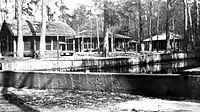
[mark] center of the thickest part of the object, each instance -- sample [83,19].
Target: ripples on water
[165,67]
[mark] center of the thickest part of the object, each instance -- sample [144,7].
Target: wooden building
[124,43]
[159,42]
[87,41]
[59,37]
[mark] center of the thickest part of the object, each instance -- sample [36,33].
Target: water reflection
[166,67]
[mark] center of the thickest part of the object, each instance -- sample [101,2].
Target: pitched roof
[163,37]
[88,33]
[122,36]
[31,28]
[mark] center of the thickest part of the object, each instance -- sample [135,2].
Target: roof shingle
[33,28]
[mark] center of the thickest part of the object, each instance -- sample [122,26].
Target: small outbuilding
[59,37]
[159,41]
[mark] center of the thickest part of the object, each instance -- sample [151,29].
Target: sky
[72,4]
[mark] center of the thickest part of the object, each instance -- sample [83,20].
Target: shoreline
[92,61]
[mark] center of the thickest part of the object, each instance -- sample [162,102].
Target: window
[37,44]
[48,43]
[85,46]
[69,44]
[27,43]
[48,47]
[51,43]
[37,40]
[62,39]
[54,43]
[62,47]
[88,45]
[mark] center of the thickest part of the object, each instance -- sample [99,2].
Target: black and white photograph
[99,56]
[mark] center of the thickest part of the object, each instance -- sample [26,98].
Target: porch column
[136,47]
[15,47]
[112,44]
[74,44]
[34,46]
[66,43]
[178,44]
[82,44]
[123,44]
[58,54]
[78,44]
[91,44]
[57,38]
[52,43]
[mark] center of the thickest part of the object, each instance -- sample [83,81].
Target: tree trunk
[173,30]
[20,46]
[157,27]
[98,45]
[140,26]
[106,45]
[185,25]
[191,28]
[15,9]
[112,43]
[6,8]
[91,35]
[43,30]
[168,49]
[150,25]
[106,30]
[1,12]
[197,19]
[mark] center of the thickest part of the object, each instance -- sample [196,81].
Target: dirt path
[86,101]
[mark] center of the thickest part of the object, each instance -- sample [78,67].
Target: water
[164,67]
[155,68]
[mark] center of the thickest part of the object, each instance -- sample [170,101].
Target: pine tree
[20,46]
[43,30]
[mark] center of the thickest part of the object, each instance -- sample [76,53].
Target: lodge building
[60,37]
[88,41]
[56,33]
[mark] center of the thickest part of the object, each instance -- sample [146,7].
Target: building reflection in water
[166,67]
